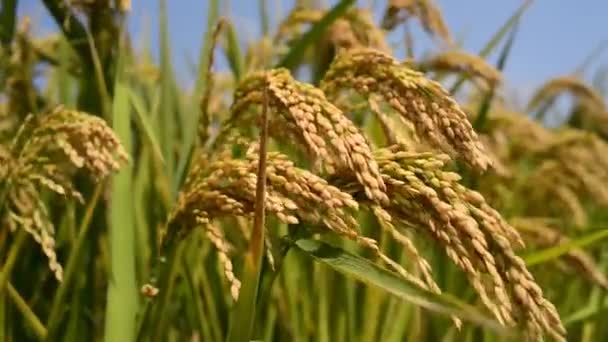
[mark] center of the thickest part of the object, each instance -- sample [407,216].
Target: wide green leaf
[122,290]
[372,274]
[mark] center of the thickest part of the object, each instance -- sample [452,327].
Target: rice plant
[322,187]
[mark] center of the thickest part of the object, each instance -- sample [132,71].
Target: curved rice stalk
[460,61]
[586,95]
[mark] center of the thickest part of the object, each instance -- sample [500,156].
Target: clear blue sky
[554,37]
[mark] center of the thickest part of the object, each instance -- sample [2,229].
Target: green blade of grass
[120,324]
[486,103]
[233,52]
[57,308]
[191,123]
[579,71]
[11,258]
[201,319]
[142,121]
[555,252]
[8,13]
[587,313]
[264,19]
[29,315]
[496,38]
[166,114]
[75,32]
[296,53]
[372,274]
[505,29]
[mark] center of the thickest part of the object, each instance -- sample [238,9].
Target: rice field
[321,187]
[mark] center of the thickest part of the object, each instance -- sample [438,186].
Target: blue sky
[554,37]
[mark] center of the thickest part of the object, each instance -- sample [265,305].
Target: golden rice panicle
[86,140]
[436,116]
[302,116]
[586,95]
[475,237]
[384,218]
[513,134]
[218,240]
[568,165]
[364,30]
[430,16]
[572,169]
[45,152]
[227,188]
[298,16]
[489,238]
[551,192]
[355,28]
[24,210]
[460,61]
[414,200]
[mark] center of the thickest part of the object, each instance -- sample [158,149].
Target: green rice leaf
[372,274]
[496,38]
[144,124]
[486,102]
[122,291]
[233,52]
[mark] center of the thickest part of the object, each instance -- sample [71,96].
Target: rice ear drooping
[302,114]
[424,102]
[45,153]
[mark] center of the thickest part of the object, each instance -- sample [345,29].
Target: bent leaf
[372,274]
